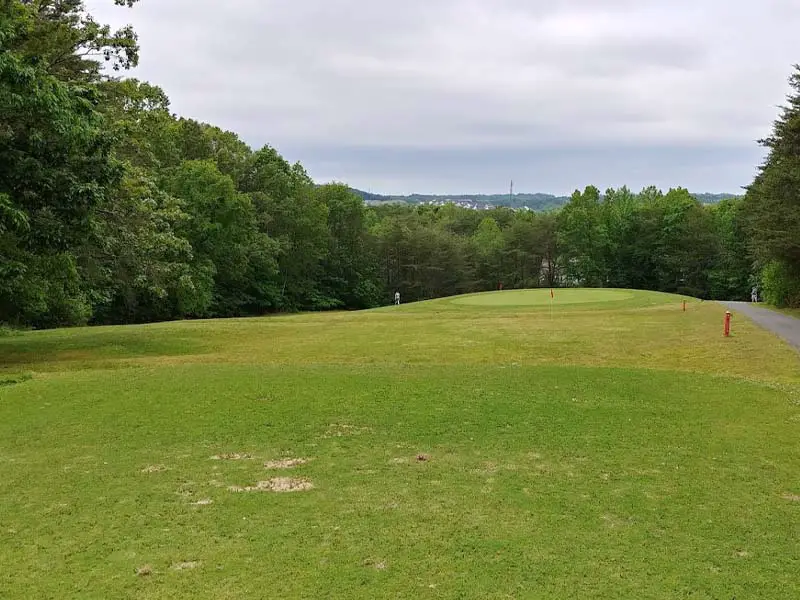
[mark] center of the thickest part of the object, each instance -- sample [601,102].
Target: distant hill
[536,202]
[714,198]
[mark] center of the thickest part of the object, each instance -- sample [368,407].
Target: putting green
[541,297]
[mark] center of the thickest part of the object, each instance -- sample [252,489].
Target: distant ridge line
[536,201]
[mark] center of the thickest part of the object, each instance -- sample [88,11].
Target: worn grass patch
[458,451]
[14,379]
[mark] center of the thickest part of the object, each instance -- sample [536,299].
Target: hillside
[491,445]
[536,201]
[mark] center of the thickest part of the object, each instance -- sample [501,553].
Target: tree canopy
[772,205]
[115,210]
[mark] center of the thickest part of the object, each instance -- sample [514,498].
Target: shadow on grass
[95,346]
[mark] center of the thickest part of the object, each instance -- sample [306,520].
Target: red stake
[727,324]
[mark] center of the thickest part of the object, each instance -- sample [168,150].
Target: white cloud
[470,74]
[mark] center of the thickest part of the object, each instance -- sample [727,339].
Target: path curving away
[784,326]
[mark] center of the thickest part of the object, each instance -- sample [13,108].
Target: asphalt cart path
[784,326]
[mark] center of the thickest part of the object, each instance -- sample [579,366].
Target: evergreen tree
[772,205]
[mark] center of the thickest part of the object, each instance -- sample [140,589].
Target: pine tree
[772,205]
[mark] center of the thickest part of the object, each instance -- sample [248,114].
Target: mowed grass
[793,312]
[620,448]
[542,297]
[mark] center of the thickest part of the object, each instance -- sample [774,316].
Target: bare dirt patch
[232,456]
[154,469]
[183,566]
[144,571]
[378,565]
[615,521]
[340,430]
[277,484]
[791,497]
[286,463]
[420,458]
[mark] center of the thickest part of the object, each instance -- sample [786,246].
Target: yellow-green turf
[544,297]
[618,448]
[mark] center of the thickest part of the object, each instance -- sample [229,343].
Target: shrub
[780,285]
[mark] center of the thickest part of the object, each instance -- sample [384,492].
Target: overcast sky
[452,96]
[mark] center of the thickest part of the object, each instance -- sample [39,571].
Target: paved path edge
[784,326]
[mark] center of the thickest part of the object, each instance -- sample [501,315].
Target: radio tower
[511,194]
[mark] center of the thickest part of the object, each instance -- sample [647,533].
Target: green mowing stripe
[551,482]
[565,299]
[659,460]
[542,297]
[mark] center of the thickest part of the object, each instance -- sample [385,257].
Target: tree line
[115,210]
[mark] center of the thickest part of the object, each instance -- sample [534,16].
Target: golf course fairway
[611,445]
[543,298]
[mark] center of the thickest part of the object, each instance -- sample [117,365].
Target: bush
[780,285]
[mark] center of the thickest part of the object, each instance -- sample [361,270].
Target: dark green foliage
[349,270]
[773,200]
[780,284]
[114,210]
[295,216]
[584,236]
[730,277]
[56,168]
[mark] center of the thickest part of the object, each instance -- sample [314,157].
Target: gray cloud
[419,95]
[558,170]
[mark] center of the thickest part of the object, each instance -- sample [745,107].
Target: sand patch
[183,566]
[791,497]
[232,456]
[154,469]
[277,484]
[286,463]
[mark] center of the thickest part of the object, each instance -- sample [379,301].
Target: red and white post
[727,323]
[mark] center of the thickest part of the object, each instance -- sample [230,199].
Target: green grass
[622,451]
[792,312]
[543,297]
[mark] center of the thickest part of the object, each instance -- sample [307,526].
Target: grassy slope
[618,450]
[794,312]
